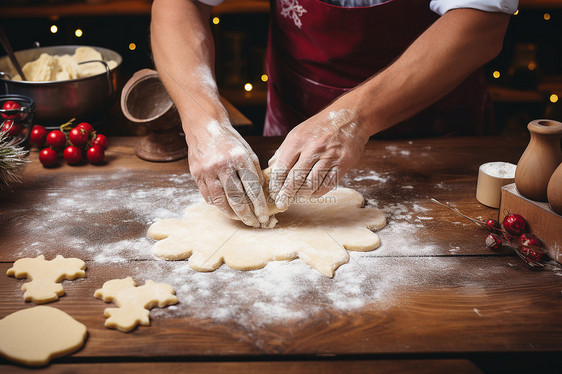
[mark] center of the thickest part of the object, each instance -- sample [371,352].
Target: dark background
[241,41]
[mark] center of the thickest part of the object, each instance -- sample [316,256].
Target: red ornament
[48,157]
[514,224]
[56,139]
[38,135]
[72,155]
[529,240]
[493,226]
[493,241]
[10,105]
[95,154]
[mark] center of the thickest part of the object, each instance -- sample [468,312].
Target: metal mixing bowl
[86,99]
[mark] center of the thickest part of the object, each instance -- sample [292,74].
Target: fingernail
[281,202]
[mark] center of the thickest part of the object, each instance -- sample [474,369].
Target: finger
[237,199]
[280,170]
[273,158]
[256,162]
[253,187]
[295,178]
[329,181]
[204,190]
[217,197]
[313,180]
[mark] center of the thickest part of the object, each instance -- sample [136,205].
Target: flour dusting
[109,227]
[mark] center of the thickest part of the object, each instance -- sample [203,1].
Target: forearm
[443,56]
[183,51]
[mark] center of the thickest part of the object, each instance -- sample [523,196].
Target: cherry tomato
[95,154]
[38,136]
[78,136]
[56,139]
[9,105]
[86,126]
[13,129]
[100,140]
[72,155]
[48,157]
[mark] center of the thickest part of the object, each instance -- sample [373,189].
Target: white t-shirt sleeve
[211,2]
[503,6]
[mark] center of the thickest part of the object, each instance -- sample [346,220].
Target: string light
[248,87]
[264,78]
[516,12]
[532,66]
[132,46]
[216,20]
[78,33]
[553,98]
[496,74]
[546,16]
[54,29]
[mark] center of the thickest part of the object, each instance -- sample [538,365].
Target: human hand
[228,173]
[315,155]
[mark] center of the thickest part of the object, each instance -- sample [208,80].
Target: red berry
[534,253]
[56,139]
[493,241]
[95,154]
[72,155]
[78,136]
[514,224]
[48,157]
[12,128]
[38,135]
[100,140]
[493,225]
[10,105]
[86,126]
[529,240]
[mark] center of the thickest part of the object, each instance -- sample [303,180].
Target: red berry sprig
[511,233]
[74,143]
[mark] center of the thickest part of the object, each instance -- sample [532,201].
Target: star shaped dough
[318,231]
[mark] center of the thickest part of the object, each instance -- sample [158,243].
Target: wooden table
[436,299]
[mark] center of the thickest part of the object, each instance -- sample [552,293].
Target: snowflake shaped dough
[318,232]
[133,303]
[46,275]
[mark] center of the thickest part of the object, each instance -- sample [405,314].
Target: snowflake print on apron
[293,10]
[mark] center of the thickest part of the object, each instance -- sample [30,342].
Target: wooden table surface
[432,298]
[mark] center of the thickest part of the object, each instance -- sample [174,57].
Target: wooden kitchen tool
[145,101]
[540,159]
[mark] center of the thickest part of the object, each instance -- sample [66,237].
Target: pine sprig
[12,161]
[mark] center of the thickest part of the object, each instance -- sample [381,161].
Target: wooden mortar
[145,101]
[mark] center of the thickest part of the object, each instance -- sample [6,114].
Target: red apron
[319,51]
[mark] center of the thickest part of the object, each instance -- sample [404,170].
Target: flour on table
[318,232]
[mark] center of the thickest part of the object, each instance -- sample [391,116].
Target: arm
[224,166]
[318,152]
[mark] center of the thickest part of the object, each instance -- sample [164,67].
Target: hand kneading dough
[34,336]
[318,232]
[49,68]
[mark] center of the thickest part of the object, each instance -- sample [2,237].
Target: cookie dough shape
[134,303]
[318,231]
[35,336]
[46,275]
